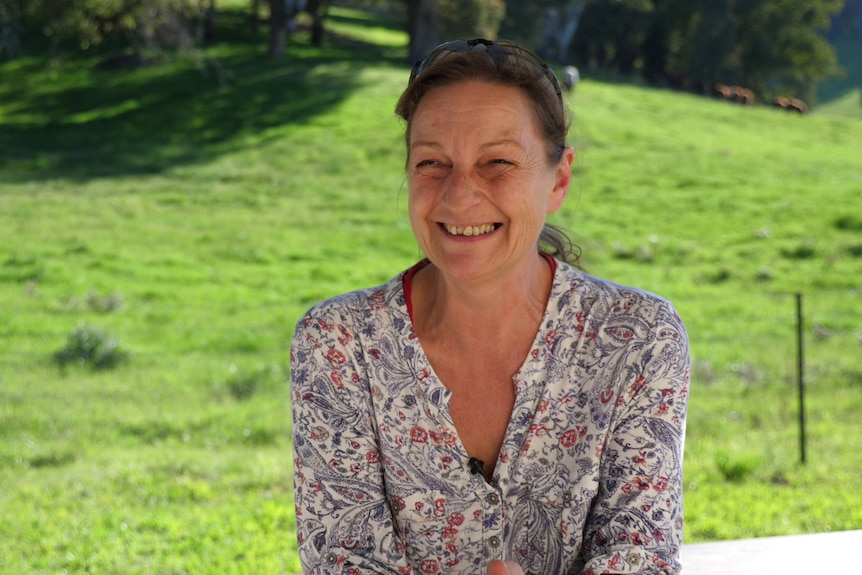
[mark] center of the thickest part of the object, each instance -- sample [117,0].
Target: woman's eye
[499,164]
[430,163]
[497,167]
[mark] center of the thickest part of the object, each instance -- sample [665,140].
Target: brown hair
[540,86]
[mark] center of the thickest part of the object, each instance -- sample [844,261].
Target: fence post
[800,375]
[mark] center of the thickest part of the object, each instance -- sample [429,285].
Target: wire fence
[755,336]
[796,357]
[786,368]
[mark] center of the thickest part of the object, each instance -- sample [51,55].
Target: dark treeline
[770,47]
[143,27]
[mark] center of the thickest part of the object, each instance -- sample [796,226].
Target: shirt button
[494,541]
[493,499]
[567,497]
[332,558]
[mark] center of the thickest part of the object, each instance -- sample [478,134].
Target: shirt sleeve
[636,524]
[343,519]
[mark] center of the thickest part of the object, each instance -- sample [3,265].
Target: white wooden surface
[839,552]
[836,553]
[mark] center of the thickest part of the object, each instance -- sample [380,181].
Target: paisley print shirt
[589,478]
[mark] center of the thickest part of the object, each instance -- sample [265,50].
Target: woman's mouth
[469,231]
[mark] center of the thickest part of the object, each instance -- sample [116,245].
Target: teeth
[469,230]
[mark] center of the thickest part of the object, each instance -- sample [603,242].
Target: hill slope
[195,209]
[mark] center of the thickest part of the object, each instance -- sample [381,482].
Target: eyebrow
[495,143]
[425,144]
[502,142]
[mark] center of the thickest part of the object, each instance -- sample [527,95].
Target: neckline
[407,279]
[440,395]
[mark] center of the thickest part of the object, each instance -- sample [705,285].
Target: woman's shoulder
[574,287]
[359,305]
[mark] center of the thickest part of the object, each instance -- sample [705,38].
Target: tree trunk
[254,18]
[277,28]
[317,31]
[558,30]
[656,52]
[423,25]
[208,22]
[571,20]
[318,10]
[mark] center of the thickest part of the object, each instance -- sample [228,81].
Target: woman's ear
[562,179]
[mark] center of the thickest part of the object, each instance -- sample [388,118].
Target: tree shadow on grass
[83,123]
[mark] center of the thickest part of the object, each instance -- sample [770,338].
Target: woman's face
[480,180]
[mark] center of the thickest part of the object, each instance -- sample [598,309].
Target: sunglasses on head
[499,50]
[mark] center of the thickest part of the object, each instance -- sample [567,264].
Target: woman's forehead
[500,112]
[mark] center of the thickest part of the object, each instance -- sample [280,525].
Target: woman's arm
[343,519]
[636,522]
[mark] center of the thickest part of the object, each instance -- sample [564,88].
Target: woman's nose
[462,187]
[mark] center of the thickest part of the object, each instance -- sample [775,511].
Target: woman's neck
[481,310]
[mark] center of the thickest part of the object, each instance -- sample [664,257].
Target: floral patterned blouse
[589,478]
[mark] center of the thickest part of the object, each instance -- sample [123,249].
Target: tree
[548,26]
[431,21]
[254,17]
[471,18]
[848,21]
[208,14]
[423,27]
[524,21]
[318,9]
[708,49]
[669,22]
[611,34]
[10,44]
[769,46]
[560,28]
[278,18]
[145,26]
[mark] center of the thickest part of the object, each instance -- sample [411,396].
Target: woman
[491,404]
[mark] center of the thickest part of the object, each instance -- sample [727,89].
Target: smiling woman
[491,409]
[477,166]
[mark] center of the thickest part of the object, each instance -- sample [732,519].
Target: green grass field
[193,210]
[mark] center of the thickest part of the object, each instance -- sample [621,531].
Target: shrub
[802,251]
[104,303]
[736,468]
[91,347]
[721,275]
[244,383]
[765,275]
[243,386]
[849,222]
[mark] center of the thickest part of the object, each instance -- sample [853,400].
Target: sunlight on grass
[849,105]
[193,211]
[367,28]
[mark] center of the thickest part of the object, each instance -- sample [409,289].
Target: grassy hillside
[193,210]
[842,95]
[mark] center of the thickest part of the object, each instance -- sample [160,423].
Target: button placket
[492,503]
